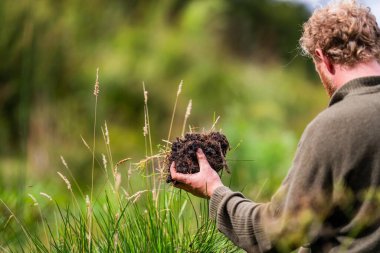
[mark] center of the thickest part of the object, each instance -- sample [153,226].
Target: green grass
[129,226]
[131,210]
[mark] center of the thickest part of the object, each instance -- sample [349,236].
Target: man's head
[343,33]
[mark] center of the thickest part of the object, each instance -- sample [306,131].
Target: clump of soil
[214,145]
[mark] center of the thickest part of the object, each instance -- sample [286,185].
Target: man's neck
[345,74]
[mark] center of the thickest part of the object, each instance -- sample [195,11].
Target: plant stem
[96,92]
[173,113]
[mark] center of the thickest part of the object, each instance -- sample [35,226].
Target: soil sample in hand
[214,145]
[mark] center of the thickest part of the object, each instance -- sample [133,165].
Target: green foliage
[137,224]
[263,128]
[238,59]
[140,214]
[265,30]
[50,50]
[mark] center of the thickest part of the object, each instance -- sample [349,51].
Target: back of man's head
[345,31]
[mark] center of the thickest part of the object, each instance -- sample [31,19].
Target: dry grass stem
[106,134]
[215,122]
[89,220]
[96,86]
[26,233]
[147,123]
[122,161]
[188,109]
[174,109]
[46,196]
[167,142]
[85,143]
[96,93]
[115,240]
[125,193]
[104,162]
[106,138]
[64,162]
[179,88]
[142,163]
[117,182]
[137,195]
[148,133]
[129,173]
[35,203]
[88,202]
[187,115]
[65,180]
[8,220]
[145,129]
[145,95]
[71,174]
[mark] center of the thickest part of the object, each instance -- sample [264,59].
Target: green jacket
[330,199]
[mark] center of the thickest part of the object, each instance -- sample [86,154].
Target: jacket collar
[353,86]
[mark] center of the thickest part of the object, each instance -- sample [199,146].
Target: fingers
[200,154]
[176,176]
[202,159]
[189,189]
[181,186]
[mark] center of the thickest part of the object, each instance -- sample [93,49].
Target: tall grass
[133,211]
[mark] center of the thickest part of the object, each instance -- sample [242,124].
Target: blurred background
[239,59]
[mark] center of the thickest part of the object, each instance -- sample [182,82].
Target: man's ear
[325,60]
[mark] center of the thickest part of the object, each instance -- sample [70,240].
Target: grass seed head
[106,133]
[88,203]
[117,181]
[96,86]
[104,161]
[188,109]
[145,130]
[145,95]
[122,161]
[35,203]
[46,196]
[116,240]
[180,88]
[64,162]
[85,143]
[65,180]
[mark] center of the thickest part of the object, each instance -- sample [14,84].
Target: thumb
[202,159]
[175,175]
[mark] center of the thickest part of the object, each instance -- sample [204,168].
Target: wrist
[213,187]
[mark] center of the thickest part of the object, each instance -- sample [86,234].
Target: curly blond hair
[345,31]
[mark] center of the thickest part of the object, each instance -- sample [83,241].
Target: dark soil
[214,145]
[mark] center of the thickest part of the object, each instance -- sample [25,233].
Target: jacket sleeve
[292,217]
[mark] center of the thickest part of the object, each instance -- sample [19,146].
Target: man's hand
[201,184]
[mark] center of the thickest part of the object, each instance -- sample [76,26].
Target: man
[330,199]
